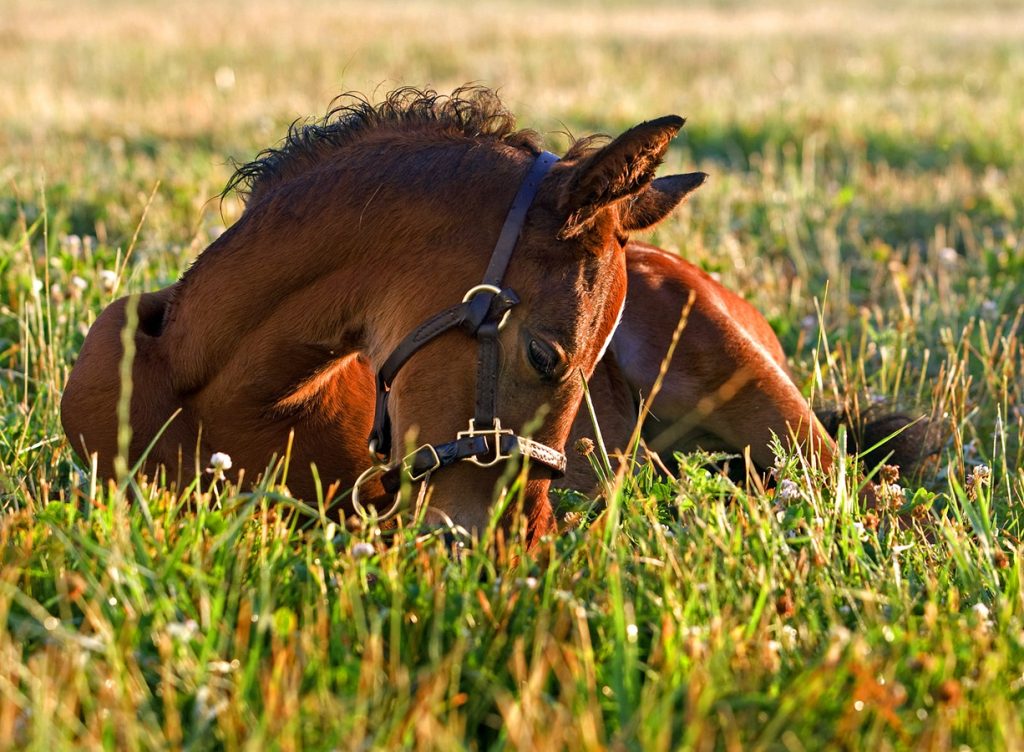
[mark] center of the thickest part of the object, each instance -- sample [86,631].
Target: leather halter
[481,314]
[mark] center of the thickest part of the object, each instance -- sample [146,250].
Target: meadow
[866,194]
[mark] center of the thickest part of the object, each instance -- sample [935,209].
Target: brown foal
[356,230]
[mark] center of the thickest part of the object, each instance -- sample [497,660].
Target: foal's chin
[472,500]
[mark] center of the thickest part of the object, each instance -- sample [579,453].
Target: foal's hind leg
[726,387]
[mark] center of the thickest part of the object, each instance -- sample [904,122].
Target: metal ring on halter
[487,288]
[449,526]
[362,511]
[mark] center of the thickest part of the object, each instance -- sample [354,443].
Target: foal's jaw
[471,496]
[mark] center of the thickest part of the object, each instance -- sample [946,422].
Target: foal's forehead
[581,266]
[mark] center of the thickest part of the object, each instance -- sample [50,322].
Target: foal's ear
[657,200]
[622,168]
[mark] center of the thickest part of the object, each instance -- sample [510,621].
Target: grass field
[866,193]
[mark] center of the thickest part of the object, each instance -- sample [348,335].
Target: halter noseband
[482,313]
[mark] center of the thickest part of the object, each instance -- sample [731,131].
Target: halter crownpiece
[483,312]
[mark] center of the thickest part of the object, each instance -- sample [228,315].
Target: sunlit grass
[865,193]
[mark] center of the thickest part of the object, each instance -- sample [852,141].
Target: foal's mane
[473,112]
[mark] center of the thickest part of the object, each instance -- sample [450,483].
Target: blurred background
[101,98]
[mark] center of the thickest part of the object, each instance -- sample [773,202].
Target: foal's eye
[543,358]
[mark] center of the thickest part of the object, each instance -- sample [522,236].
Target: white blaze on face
[618,320]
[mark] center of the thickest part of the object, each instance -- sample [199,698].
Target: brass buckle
[407,464]
[501,324]
[496,432]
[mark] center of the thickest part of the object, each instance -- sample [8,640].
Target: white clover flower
[980,477]
[208,705]
[108,279]
[789,636]
[632,632]
[985,624]
[223,667]
[787,491]
[73,245]
[363,550]
[220,461]
[772,655]
[840,634]
[79,283]
[37,286]
[185,630]
[948,256]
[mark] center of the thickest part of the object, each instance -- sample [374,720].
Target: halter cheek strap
[481,314]
[469,315]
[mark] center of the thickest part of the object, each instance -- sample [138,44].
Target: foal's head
[422,186]
[568,273]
